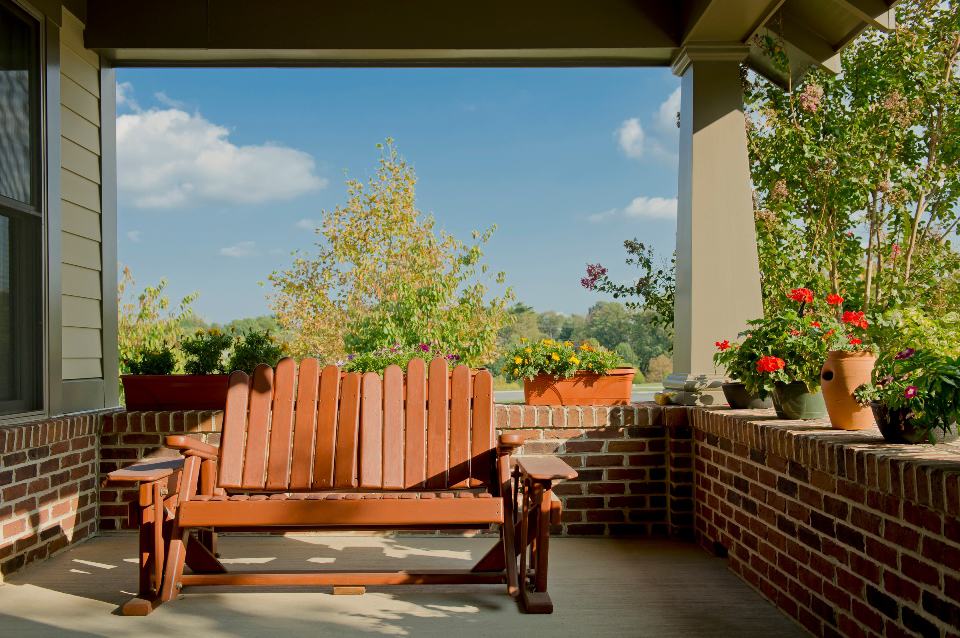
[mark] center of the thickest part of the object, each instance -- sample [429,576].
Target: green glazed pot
[793,401]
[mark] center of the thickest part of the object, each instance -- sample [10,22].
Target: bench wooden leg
[534,543]
[152,526]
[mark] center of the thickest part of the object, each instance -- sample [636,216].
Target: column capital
[708,52]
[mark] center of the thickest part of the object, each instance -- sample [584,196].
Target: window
[21,241]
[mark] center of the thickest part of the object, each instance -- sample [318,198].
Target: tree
[383,275]
[659,368]
[857,176]
[552,323]
[609,322]
[145,322]
[626,353]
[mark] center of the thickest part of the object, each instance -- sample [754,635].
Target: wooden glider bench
[328,450]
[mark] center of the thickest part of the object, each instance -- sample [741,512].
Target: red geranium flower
[795,332]
[855,318]
[769,363]
[834,299]
[815,324]
[801,295]
[722,345]
[854,341]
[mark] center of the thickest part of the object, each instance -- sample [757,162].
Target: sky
[222,173]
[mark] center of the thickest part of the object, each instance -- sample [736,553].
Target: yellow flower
[523,339]
[548,342]
[526,360]
[574,360]
[568,343]
[585,347]
[517,360]
[516,371]
[555,356]
[528,350]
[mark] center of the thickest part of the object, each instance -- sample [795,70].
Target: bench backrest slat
[307,429]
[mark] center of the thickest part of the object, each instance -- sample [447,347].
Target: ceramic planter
[842,373]
[583,388]
[793,401]
[740,399]
[156,392]
[897,427]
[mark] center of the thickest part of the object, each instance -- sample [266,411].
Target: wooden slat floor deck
[601,587]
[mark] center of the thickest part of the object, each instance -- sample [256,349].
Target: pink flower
[910,392]
[811,97]
[424,347]
[906,353]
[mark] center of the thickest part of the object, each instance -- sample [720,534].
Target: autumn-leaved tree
[857,175]
[382,274]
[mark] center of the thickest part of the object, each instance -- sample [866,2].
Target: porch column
[718,275]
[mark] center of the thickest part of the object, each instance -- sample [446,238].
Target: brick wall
[48,472]
[846,534]
[635,463]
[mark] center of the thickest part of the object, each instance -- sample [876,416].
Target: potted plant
[563,373]
[849,364]
[915,396]
[252,348]
[738,365]
[151,384]
[787,350]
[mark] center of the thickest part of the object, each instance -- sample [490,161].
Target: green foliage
[922,383]
[252,349]
[146,323]
[857,176]
[160,361]
[654,289]
[383,275]
[625,352]
[204,352]
[378,360]
[900,328]
[558,358]
[659,368]
[784,347]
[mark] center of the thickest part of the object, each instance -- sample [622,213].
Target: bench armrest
[545,468]
[190,446]
[146,471]
[508,442]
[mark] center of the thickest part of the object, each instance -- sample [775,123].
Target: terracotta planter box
[162,392]
[583,388]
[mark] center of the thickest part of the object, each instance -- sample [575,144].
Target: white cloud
[134,236]
[630,136]
[640,208]
[168,158]
[166,100]
[240,249]
[666,117]
[125,96]
[307,224]
[652,208]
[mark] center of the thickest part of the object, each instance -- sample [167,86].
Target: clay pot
[793,401]
[739,398]
[583,388]
[162,392]
[896,426]
[843,373]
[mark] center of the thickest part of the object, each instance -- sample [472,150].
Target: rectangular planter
[583,388]
[156,392]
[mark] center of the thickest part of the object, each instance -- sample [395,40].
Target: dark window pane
[19,53]
[20,312]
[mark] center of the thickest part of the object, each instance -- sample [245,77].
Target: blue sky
[222,171]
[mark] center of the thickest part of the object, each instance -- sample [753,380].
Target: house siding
[81,223]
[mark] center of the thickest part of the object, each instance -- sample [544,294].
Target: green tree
[659,368]
[609,322]
[383,275]
[551,324]
[626,353]
[857,176]
[145,321]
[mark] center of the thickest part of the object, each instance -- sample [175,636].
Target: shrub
[204,351]
[253,348]
[378,360]
[558,359]
[160,361]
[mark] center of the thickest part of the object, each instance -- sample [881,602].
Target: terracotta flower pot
[793,401]
[842,373]
[739,398]
[896,426]
[155,392]
[583,388]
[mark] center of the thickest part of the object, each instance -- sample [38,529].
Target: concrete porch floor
[600,587]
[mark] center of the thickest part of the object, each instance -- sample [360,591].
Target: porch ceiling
[492,33]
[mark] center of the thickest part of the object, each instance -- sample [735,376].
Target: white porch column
[718,275]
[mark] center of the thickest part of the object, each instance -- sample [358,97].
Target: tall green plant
[384,276]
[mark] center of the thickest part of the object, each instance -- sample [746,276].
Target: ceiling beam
[876,13]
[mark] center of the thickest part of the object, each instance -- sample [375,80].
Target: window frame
[17,410]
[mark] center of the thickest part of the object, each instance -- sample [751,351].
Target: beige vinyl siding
[80,177]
